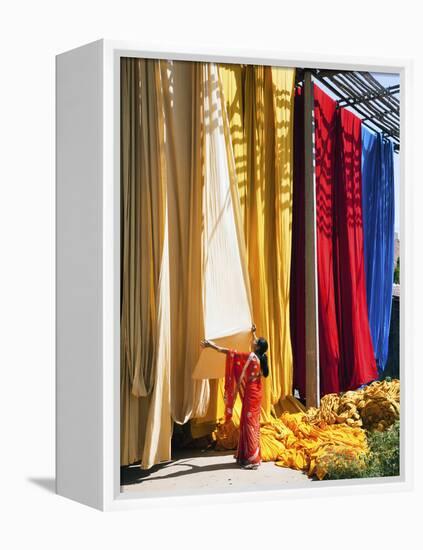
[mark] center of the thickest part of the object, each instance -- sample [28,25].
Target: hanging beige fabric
[182,85]
[145,405]
[143,218]
[226,292]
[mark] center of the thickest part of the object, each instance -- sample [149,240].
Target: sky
[387,79]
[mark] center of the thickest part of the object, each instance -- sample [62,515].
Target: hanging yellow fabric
[145,406]
[257,106]
[259,103]
[283,84]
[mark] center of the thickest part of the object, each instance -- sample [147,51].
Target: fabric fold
[345,346]
[325,153]
[358,365]
[183,108]
[145,368]
[378,227]
[259,104]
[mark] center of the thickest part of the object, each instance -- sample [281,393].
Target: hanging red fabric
[358,365]
[325,141]
[345,347]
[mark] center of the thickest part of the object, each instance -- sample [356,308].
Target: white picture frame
[88,279]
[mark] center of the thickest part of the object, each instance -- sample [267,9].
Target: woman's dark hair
[261,348]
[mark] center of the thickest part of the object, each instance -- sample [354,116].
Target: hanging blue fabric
[378,224]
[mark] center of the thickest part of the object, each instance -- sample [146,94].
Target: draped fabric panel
[345,346]
[325,153]
[174,142]
[226,289]
[358,364]
[206,210]
[297,302]
[143,219]
[182,99]
[230,79]
[145,405]
[378,223]
[259,103]
[232,84]
[226,293]
[283,82]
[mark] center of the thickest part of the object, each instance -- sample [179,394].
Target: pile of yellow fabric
[292,441]
[306,440]
[309,445]
[375,407]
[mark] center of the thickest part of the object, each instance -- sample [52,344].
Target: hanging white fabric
[226,303]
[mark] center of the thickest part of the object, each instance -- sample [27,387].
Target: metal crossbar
[377,106]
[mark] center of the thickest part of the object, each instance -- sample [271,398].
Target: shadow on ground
[46,483]
[133,474]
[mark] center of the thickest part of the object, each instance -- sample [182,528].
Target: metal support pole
[311,289]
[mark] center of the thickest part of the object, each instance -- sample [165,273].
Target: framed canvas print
[229,316]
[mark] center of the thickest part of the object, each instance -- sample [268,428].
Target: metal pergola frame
[377,106]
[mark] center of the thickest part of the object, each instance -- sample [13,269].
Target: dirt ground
[203,472]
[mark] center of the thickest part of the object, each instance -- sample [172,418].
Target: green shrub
[385,448]
[383,459]
[397,273]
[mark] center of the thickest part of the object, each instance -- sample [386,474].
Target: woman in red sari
[243,374]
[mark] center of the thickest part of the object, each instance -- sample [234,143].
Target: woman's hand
[212,345]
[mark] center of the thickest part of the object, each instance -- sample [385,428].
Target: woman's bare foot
[249,466]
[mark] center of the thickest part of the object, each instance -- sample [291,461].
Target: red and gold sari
[243,376]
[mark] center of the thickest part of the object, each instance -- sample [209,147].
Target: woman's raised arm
[210,344]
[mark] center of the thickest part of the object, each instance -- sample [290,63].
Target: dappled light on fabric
[259,103]
[345,348]
[161,142]
[357,354]
[145,369]
[226,288]
[203,288]
[182,99]
[325,141]
[213,238]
